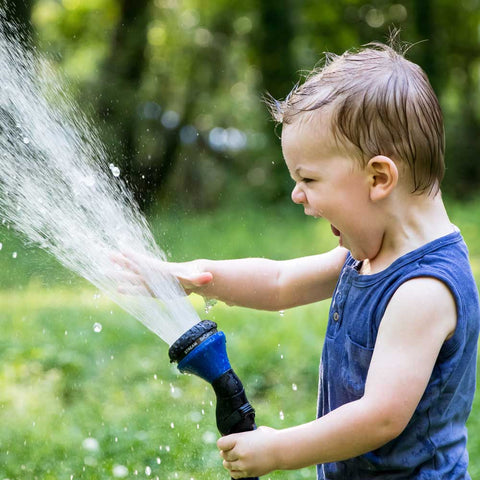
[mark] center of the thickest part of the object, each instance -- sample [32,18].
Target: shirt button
[336,316]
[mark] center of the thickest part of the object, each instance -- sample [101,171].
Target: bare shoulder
[424,302]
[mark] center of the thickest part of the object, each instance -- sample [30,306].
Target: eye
[307,180]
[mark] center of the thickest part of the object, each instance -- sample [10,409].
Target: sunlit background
[175,88]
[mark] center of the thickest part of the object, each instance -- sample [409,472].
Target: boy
[363,141]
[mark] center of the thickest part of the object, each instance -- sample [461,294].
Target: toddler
[363,141]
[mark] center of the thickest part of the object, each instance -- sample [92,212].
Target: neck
[422,219]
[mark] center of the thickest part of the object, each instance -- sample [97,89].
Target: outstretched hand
[249,454]
[134,268]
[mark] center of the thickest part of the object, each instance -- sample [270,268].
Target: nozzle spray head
[202,352]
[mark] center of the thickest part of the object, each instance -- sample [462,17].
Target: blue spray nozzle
[208,360]
[202,351]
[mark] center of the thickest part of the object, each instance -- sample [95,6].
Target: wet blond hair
[382,104]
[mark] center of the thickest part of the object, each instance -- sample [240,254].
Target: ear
[383,177]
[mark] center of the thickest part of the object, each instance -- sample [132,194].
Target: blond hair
[382,104]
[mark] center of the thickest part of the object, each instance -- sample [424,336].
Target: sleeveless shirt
[433,445]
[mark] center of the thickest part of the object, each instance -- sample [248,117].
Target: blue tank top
[433,445]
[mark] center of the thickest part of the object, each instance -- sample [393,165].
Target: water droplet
[209,304]
[120,471]
[91,444]
[115,170]
[294,387]
[175,392]
[97,327]
[209,437]
[148,471]
[14,255]
[26,140]
[281,415]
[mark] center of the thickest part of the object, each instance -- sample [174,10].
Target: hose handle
[234,413]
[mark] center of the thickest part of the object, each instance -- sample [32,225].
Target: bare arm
[273,285]
[249,282]
[419,318]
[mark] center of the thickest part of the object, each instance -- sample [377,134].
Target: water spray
[54,178]
[201,351]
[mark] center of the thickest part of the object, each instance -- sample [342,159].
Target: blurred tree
[272,41]
[272,53]
[121,75]
[177,84]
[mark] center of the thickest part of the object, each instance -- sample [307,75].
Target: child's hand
[135,266]
[249,454]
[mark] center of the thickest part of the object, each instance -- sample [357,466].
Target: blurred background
[175,89]
[175,86]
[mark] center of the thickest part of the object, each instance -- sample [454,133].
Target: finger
[120,259]
[233,470]
[197,279]
[134,290]
[229,455]
[226,443]
[238,474]
[125,276]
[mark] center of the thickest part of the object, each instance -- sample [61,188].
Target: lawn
[87,392]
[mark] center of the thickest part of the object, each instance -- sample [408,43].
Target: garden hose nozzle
[202,352]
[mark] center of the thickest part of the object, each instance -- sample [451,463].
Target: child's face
[331,184]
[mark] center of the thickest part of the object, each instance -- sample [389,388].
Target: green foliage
[81,404]
[176,86]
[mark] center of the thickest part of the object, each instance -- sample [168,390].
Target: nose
[298,196]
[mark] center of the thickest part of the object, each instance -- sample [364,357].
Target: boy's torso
[357,308]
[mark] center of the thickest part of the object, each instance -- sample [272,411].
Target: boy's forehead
[308,130]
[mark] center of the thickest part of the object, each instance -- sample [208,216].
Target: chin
[356,253]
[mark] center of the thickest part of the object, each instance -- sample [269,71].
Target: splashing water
[59,189]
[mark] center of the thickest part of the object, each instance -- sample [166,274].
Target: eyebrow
[306,171]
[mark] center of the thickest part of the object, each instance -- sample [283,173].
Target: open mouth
[335,231]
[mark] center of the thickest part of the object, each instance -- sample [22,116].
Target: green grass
[62,383]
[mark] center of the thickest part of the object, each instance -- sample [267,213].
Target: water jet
[61,192]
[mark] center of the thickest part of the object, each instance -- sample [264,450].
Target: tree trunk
[122,75]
